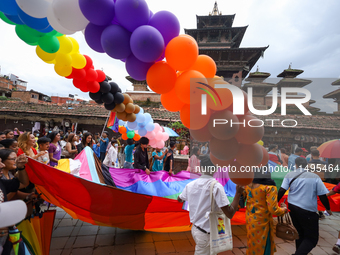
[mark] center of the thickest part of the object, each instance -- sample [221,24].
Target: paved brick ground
[75,237]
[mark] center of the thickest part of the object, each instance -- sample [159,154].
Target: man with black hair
[104,142]
[44,145]
[128,154]
[169,160]
[318,166]
[304,188]
[197,194]
[141,160]
[2,136]
[292,157]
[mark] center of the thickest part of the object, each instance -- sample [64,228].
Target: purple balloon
[115,41]
[151,14]
[132,13]
[98,12]
[147,43]
[167,24]
[136,68]
[93,34]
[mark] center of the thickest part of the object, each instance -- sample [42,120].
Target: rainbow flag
[112,123]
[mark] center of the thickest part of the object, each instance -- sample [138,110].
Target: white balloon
[69,14]
[35,8]
[55,24]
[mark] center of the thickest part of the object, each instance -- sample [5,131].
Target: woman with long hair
[26,142]
[70,148]
[10,144]
[262,204]
[85,141]
[55,149]
[194,162]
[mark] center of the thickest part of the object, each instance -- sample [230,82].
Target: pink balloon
[159,136]
[157,128]
[151,135]
[165,137]
[160,144]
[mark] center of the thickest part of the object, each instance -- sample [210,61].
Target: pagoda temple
[335,95]
[217,38]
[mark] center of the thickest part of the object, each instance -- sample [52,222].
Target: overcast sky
[304,33]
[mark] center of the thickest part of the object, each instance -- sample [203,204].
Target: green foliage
[180,129]
[3,98]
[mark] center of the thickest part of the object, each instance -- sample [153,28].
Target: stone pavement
[75,237]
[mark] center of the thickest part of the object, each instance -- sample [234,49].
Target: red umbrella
[330,149]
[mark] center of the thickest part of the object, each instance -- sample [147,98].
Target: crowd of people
[262,196]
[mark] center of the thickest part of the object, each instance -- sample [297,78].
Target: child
[44,144]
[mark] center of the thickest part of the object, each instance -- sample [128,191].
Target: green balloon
[49,44]
[59,34]
[33,32]
[130,134]
[52,33]
[4,18]
[24,35]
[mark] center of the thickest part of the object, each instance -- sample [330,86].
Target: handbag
[220,228]
[286,230]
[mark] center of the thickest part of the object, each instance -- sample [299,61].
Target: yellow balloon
[63,59]
[75,45]
[78,61]
[66,45]
[50,62]
[62,70]
[44,55]
[260,142]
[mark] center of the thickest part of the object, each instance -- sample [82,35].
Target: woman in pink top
[185,150]
[193,162]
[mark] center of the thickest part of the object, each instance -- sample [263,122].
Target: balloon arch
[152,49]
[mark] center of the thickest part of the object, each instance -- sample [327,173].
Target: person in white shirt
[197,194]
[111,156]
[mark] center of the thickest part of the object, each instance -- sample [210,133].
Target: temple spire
[215,10]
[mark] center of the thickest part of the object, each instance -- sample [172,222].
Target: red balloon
[78,74]
[80,83]
[224,149]
[252,133]
[240,174]
[221,163]
[249,155]
[91,75]
[93,86]
[101,76]
[89,62]
[70,76]
[201,135]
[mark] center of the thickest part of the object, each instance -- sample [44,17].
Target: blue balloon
[142,131]
[150,126]
[15,19]
[132,125]
[121,123]
[35,23]
[142,125]
[148,117]
[141,110]
[46,30]
[9,7]
[140,118]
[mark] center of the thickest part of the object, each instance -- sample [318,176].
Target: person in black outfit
[169,160]
[141,160]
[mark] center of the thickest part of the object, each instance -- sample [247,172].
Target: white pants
[202,241]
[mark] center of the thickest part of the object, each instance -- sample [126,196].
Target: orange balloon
[129,108]
[265,158]
[124,136]
[119,108]
[161,77]
[221,163]
[205,65]
[137,109]
[247,134]
[186,86]
[249,155]
[221,125]
[239,176]
[201,135]
[122,130]
[246,109]
[136,137]
[191,117]
[121,115]
[171,102]
[131,117]
[224,149]
[181,53]
[223,97]
[127,99]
